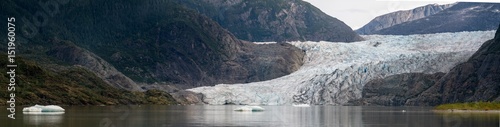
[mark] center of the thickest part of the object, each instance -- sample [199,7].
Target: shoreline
[465,111]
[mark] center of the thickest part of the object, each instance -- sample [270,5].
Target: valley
[149,63]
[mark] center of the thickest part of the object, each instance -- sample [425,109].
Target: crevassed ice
[334,73]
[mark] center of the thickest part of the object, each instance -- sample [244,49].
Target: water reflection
[209,115]
[468,119]
[331,116]
[424,117]
[275,116]
[43,118]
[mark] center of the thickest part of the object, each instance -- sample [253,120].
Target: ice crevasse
[334,73]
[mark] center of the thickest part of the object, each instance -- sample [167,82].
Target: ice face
[334,73]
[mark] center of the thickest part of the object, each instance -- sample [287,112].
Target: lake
[273,116]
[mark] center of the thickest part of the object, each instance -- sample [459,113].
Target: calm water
[274,116]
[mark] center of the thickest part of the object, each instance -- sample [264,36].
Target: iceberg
[249,108]
[335,73]
[301,105]
[41,108]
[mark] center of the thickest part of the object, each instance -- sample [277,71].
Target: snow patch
[263,43]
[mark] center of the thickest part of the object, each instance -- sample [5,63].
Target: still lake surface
[273,116]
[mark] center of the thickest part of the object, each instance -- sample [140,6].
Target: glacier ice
[334,73]
[42,108]
[248,108]
[301,105]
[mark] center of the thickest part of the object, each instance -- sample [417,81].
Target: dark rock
[395,90]
[70,53]
[187,97]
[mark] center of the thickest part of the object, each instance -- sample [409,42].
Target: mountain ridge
[136,45]
[277,20]
[463,16]
[398,17]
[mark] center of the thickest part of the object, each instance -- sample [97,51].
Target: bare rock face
[274,20]
[395,18]
[395,90]
[475,80]
[187,97]
[256,62]
[75,55]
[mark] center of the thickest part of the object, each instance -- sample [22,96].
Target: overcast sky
[357,13]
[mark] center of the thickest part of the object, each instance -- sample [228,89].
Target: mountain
[395,18]
[462,16]
[472,81]
[137,45]
[274,20]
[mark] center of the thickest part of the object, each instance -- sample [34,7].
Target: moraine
[334,73]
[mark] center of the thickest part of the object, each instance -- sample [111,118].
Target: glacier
[334,73]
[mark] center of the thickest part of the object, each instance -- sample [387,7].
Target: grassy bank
[470,106]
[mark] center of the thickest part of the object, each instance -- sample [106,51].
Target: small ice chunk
[42,108]
[249,108]
[301,105]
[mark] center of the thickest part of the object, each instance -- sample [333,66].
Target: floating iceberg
[41,108]
[249,108]
[301,105]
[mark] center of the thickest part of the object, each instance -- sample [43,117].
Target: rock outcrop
[274,20]
[463,16]
[70,85]
[72,54]
[395,90]
[475,80]
[395,18]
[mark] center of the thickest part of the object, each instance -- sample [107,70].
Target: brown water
[273,116]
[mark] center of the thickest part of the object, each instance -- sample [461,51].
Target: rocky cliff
[395,18]
[395,90]
[274,20]
[475,80]
[463,16]
[72,54]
